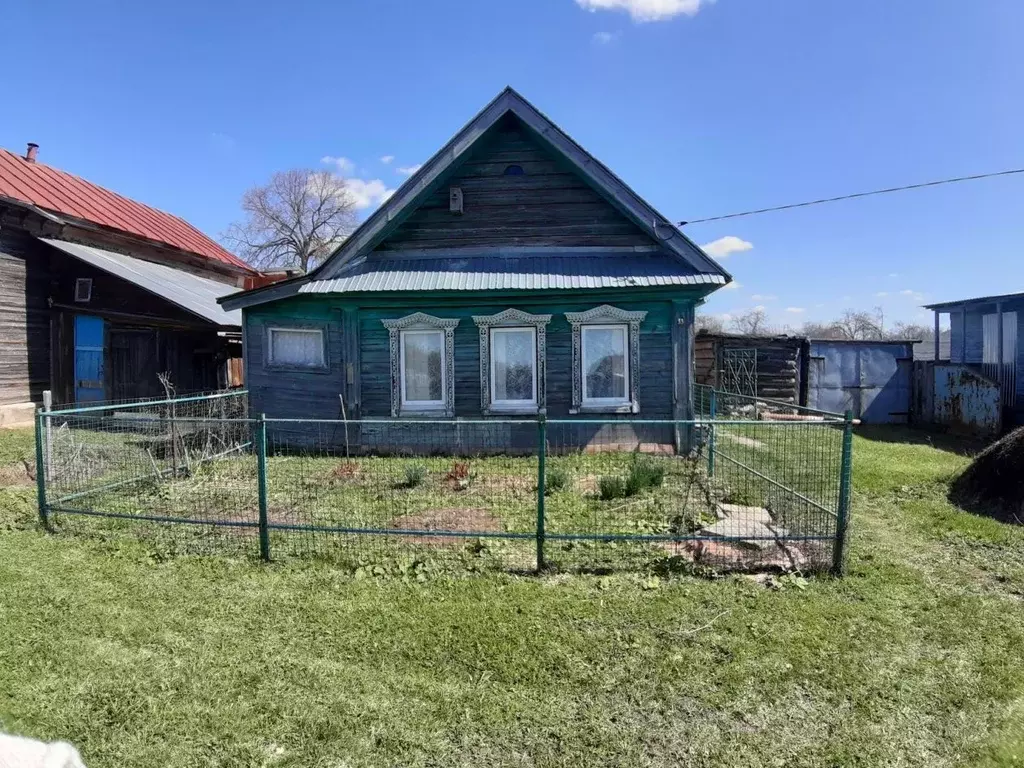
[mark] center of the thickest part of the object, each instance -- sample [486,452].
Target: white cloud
[343,165]
[606,38]
[387,159]
[881,294]
[731,286]
[894,274]
[912,295]
[724,246]
[795,310]
[646,10]
[409,170]
[763,297]
[367,193]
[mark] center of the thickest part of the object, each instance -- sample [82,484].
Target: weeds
[644,473]
[556,479]
[415,474]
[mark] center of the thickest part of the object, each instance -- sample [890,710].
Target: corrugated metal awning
[527,272]
[192,293]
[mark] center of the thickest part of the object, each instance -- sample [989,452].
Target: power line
[855,195]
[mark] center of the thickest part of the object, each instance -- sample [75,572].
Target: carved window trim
[605,315]
[420,321]
[513,318]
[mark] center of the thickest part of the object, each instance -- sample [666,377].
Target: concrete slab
[757,514]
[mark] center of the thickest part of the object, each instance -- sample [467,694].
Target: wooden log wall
[781,363]
[24,318]
[548,205]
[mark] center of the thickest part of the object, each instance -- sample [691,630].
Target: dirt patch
[347,470]
[657,449]
[749,442]
[993,484]
[20,473]
[737,556]
[457,519]
[517,484]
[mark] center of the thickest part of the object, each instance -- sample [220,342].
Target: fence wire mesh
[718,492]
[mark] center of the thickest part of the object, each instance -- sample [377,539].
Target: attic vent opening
[83,290]
[515,170]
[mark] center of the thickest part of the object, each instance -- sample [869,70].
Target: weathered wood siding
[781,363]
[314,395]
[24,318]
[549,205]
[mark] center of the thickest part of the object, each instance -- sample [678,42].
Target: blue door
[89,373]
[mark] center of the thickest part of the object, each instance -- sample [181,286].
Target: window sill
[630,408]
[424,413]
[512,410]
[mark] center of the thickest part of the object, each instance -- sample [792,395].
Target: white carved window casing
[296,347]
[605,359]
[513,348]
[422,365]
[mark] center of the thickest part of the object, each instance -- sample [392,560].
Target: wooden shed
[774,367]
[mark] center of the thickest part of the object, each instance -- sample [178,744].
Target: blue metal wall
[872,379]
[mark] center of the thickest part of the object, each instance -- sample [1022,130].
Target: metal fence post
[48,435]
[261,479]
[41,472]
[542,438]
[843,512]
[712,411]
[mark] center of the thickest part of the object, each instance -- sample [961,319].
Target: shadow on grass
[951,442]
[993,484]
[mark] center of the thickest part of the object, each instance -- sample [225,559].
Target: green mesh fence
[724,491]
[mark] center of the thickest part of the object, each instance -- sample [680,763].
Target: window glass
[513,365]
[604,363]
[301,347]
[423,367]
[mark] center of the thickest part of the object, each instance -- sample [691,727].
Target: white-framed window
[605,359]
[513,346]
[605,351]
[422,365]
[513,367]
[296,348]
[423,370]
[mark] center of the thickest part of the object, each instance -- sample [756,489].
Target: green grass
[914,659]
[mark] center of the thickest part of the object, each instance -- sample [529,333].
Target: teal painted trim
[843,513]
[261,474]
[153,518]
[542,450]
[41,472]
[147,403]
[711,437]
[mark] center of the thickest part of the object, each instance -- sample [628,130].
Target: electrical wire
[855,195]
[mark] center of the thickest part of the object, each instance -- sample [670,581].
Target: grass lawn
[915,659]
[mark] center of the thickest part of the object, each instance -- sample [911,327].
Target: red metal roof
[62,193]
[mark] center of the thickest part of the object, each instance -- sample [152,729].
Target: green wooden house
[512,275]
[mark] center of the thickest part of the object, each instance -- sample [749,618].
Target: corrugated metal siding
[195,294]
[870,379]
[485,273]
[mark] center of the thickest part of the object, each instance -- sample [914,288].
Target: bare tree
[709,323]
[753,322]
[296,220]
[851,326]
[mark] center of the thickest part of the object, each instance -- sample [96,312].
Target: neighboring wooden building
[774,367]
[99,293]
[512,275]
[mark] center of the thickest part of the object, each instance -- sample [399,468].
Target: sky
[704,107]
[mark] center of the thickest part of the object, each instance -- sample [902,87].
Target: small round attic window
[515,170]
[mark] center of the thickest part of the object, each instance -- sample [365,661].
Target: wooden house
[100,293]
[512,275]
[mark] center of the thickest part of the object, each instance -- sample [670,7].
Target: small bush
[556,479]
[611,487]
[415,474]
[644,473]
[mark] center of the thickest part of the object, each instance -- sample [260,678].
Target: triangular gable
[412,194]
[418,188]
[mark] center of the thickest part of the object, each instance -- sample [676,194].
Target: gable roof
[700,267]
[195,294]
[57,191]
